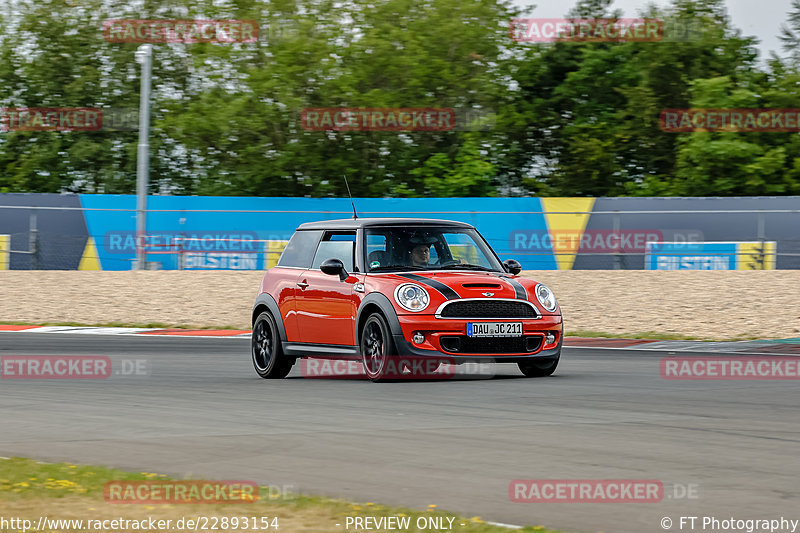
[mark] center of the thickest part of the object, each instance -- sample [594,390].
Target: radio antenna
[355,215]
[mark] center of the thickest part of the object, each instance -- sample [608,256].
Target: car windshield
[428,248]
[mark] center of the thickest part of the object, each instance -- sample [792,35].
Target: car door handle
[302,284]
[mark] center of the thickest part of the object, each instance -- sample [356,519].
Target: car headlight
[546,297]
[411,297]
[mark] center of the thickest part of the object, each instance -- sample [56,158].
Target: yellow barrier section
[89,259]
[273,250]
[572,223]
[5,251]
[756,255]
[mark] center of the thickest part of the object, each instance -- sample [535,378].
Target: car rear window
[300,250]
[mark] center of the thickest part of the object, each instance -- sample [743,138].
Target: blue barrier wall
[113,229]
[203,232]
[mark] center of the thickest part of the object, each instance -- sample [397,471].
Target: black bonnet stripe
[446,291]
[518,288]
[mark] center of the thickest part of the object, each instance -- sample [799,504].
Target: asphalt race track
[201,411]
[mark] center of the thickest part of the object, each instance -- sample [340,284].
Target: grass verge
[63,491]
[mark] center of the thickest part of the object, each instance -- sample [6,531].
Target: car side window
[300,250]
[377,253]
[336,245]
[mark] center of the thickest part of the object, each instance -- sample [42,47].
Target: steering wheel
[449,262]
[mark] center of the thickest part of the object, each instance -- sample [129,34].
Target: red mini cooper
[385,289]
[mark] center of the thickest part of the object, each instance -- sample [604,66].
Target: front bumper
[440,334]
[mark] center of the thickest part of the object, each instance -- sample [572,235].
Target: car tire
[537,369]
[265,346]
[376,346]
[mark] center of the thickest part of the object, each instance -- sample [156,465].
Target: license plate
[494,329]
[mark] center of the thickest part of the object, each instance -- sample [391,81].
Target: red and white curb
[88,330]
[785,347]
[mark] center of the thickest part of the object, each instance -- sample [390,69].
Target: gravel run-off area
[698,304]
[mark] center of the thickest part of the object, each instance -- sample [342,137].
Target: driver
[420,255]
[420,251]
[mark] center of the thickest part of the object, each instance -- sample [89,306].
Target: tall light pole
[144,56]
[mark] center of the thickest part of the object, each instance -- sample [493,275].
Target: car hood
[470,284]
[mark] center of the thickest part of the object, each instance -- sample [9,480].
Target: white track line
[501,524]
[675,350]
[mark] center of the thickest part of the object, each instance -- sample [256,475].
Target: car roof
[356,223]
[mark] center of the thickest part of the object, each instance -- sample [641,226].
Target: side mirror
[334,267]
[512,266]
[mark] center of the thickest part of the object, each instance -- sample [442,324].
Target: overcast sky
[759,18]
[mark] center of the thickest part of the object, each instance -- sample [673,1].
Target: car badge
[488,294]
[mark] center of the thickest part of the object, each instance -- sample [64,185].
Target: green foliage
[468,174]
[572,118]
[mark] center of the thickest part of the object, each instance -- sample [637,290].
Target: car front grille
[488,309]
[490,345]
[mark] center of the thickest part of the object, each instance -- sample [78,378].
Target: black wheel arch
[377,302]
[265,302]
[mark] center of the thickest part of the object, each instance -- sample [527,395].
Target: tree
[376,54]
[572,118]
[594,107]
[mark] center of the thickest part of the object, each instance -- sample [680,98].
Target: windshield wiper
[467,266]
